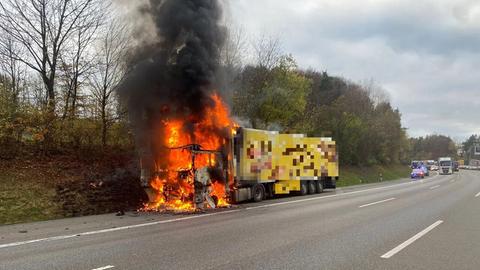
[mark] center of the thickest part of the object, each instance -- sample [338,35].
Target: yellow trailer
[267,163]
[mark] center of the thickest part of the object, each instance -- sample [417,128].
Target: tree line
[61,61]
[432,147]
[283,97]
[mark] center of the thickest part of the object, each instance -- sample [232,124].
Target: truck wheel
[319,186]
[258,193]
[312,189]
[303,188]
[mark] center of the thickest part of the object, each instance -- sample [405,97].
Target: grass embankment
[36,189]
[362,175]
[27,192]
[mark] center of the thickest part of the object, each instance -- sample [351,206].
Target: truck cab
[445,165]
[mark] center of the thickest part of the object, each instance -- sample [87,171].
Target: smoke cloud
[173,68]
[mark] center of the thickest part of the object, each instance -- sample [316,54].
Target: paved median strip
[374,203]
[411,240]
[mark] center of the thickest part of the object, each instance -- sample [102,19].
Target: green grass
[350,176]
[23,199]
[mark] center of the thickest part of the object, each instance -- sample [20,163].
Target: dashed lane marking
[411,240]
[105,267]
[374,203]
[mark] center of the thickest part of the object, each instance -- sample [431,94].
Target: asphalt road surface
[429,224]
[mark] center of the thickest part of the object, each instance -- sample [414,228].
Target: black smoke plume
[175,75]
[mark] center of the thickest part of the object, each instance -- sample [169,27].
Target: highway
[426,224]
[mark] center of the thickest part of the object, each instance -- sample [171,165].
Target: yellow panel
[267,156]
[293,185]
[333,169]
[285,187]
[281,188]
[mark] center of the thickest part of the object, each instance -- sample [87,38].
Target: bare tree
[109,71]
[35,91]
[376,93]
[77,60]
[11,67]
[232,58]
[268,51]
[42,28]
[234,49]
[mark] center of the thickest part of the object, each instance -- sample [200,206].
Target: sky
[424,53]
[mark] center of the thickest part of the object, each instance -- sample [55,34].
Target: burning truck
[250,165]
[193,156]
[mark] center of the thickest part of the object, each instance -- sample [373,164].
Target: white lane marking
[453,180]
[434,187]
[105,267]
[61,237]
[478,195]
[373,203]
[411,240]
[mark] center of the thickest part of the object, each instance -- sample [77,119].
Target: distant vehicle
[456,166]
[426,172]
[430,163]
[445,165]
[434,168]
[417,173]
[417,164]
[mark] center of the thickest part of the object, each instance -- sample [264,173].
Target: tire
[303,188]
[258,193]
[312,188]
[319,186]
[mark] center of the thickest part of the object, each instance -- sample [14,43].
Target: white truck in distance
[445,165]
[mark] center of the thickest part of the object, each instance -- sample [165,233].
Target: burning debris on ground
[182,126]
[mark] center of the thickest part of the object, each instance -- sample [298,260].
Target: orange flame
[174,186]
